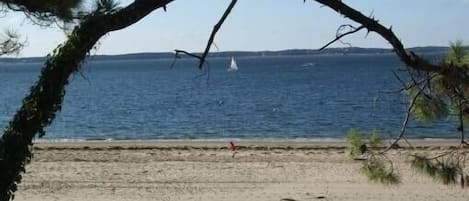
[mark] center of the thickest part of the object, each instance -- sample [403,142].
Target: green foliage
[428,108]
[441,95]
[373,168]
[457,54]
[445,171]
[45,98]
[39,108]
[423,165]
[448,172]
[356,144]
[377,172]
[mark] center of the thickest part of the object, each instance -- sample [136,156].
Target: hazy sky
[264,25]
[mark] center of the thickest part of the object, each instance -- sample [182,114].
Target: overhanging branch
[409,59]
[211,39]
[340,35]
[46,96]
[215,30]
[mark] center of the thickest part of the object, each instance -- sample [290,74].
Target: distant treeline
[291,52]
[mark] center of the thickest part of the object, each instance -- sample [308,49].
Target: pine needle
[377,172]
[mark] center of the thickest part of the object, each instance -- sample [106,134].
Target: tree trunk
[45,99]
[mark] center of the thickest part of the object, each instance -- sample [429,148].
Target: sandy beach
[184,170]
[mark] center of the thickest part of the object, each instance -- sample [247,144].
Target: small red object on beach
[232,147]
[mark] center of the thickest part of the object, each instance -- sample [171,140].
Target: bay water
[281,97]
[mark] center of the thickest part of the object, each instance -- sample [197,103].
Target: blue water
[312,97]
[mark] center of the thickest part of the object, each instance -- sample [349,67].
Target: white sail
[233,67]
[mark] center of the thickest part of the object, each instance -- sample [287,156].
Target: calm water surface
[313,97]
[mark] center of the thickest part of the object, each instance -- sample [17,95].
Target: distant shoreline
[289,52]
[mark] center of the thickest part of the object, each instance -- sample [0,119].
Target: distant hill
[291,52]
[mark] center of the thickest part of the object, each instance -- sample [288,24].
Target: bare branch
[10,43]
[406,120]
[215,30]
[340,35]
[186,53]
[178,52]
[210,41]
[409,59]
[398,78]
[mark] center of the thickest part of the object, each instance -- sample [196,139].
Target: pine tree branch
[373,25]
[46,96]
[46,10]
[405,122]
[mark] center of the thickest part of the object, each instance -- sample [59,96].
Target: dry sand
[182,170]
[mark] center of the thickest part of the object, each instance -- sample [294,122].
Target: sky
[262,25]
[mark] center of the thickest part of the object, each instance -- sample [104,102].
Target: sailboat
[233,67]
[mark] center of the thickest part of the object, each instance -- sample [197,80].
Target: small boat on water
[233,66]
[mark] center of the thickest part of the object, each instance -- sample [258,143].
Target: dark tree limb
[340,35]
[178,52]
[215,30]
[210,41]
[45,99]
[461,123]
[413,61]
[45,12]
[410,59]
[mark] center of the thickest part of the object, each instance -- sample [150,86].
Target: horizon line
[244,51]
